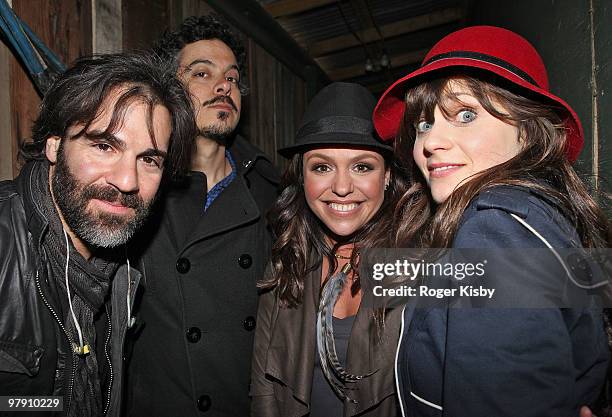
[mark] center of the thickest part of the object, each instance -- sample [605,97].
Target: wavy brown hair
[75,98]
[301,237]
[541,165]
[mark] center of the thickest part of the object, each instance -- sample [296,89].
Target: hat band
[336,124]
[485,58]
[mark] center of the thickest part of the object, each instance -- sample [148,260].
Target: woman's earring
[386,186]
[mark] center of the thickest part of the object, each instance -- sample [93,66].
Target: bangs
[422,100]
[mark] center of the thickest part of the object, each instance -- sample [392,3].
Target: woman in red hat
[318,351]
[490,152]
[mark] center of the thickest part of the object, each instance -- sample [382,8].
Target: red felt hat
[488,48]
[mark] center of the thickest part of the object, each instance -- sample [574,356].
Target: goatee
[219,133]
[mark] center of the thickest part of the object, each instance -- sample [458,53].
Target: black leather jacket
[35,354]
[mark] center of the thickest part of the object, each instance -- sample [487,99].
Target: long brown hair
[301,237]
[541,165]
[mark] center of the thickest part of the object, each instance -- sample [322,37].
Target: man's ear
[52,147]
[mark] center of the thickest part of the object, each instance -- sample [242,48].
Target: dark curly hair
[206,27]
[76,96]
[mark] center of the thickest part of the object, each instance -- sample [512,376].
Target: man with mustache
[109,129]
[193,345]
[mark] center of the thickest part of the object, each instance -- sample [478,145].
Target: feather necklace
[333,370]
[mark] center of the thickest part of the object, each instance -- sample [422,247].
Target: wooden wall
[71,28]
[7,143]
[274,105]
[574,39]
[65,26]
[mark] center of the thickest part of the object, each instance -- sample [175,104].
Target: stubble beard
[220,134]
[98,229]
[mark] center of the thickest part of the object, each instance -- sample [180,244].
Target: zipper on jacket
[71,381]
[397,385]
[110,365]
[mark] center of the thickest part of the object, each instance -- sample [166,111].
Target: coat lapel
[372,351]
[233,208]
[188,199]
[293,342]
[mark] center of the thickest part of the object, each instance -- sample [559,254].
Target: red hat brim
[389,110]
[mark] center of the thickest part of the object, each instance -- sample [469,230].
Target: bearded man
[209,247]
[109,129]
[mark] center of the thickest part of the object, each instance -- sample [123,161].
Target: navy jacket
[503,362]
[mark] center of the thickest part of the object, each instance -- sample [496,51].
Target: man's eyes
[152,161]
[104,147]
[234,79]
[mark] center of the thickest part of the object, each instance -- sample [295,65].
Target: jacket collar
[234,207]
[248,157]
[37,222]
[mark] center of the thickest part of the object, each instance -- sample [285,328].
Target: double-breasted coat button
[183,265]
[193,334]
[249,323]
[245,261]
[204,403]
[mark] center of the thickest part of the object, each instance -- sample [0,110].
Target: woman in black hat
[337,198]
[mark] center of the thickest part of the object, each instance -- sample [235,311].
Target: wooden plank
[175,13]
[295,99]
[262,98]
[390,30]
[7,155]
[286,123]
[107,28]
[602,33]
[289,7]
[65,27]
[194,8]
[274,106]
[143,22]
[7,143]
[359,69]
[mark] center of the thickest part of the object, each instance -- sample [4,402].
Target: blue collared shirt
[223,184]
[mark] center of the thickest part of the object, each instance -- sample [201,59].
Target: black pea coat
[192,350]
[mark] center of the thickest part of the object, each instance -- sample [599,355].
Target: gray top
[323,400]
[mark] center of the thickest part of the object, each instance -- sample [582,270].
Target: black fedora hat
[340,114]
